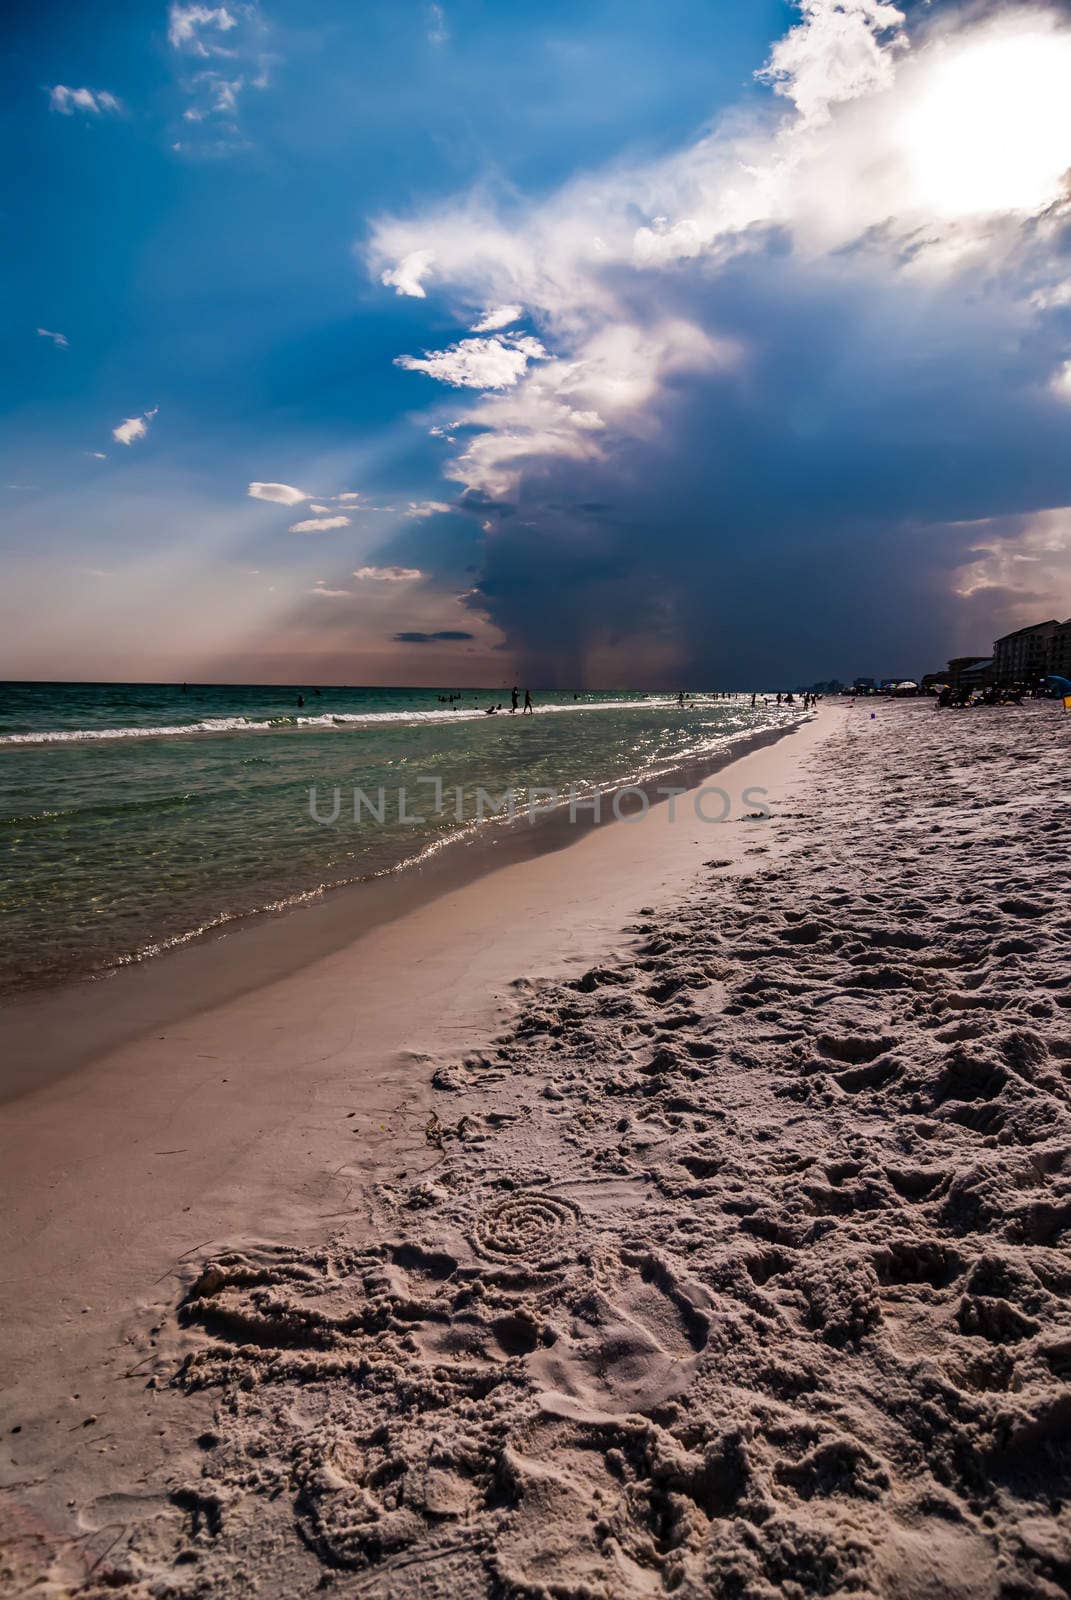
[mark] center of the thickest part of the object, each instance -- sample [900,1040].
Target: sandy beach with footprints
[734,1263]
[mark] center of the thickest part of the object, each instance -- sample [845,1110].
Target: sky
[596,344]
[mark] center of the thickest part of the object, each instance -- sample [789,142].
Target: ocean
[135,817]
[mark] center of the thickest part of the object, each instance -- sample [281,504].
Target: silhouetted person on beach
[529,709]
[300,701]
[515,698]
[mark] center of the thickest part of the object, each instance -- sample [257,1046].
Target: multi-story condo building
[1060,656]
[1031,652]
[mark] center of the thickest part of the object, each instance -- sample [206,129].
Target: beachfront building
[962,672]
[1060,653]
[979,675]
[1030,653]
[960,665]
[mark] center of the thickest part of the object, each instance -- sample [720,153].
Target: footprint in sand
[633,1342]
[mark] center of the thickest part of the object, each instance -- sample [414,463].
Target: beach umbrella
[1062,686]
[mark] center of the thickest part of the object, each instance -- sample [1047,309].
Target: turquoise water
[135,816]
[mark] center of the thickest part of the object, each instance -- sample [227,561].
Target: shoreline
[641,1218]
[276,1112]
[295,722]
[58,1026]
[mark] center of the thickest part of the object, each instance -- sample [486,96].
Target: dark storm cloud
[793,519]
[430,638]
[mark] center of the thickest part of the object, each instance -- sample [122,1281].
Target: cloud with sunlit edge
[134,428]
[319,524]
[280,494]
[388,574]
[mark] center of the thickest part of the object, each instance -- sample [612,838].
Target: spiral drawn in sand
[534,1228]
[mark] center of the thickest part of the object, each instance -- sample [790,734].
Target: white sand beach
[683,1211]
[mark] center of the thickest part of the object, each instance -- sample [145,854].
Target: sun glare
[991,128]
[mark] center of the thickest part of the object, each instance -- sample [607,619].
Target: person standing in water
[513,697]
[529,709]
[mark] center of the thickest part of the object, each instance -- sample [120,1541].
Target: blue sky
[719,342]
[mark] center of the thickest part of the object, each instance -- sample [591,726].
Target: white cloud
[58,339]
[1061,381]
[94,102]
[937,160]
[134,428]
[567,408]
[835,54]
[497,317]
[321,510]
[389,574]
[281,494]
[914,142]
[221,54]
[350,498]
[438,33]
[187,23]
[478,363]
[325,593]
[319,524]
[97,455]
[1051,295]
[427,508]
[214,110]
[519,428]
[407,277]
[222,94]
